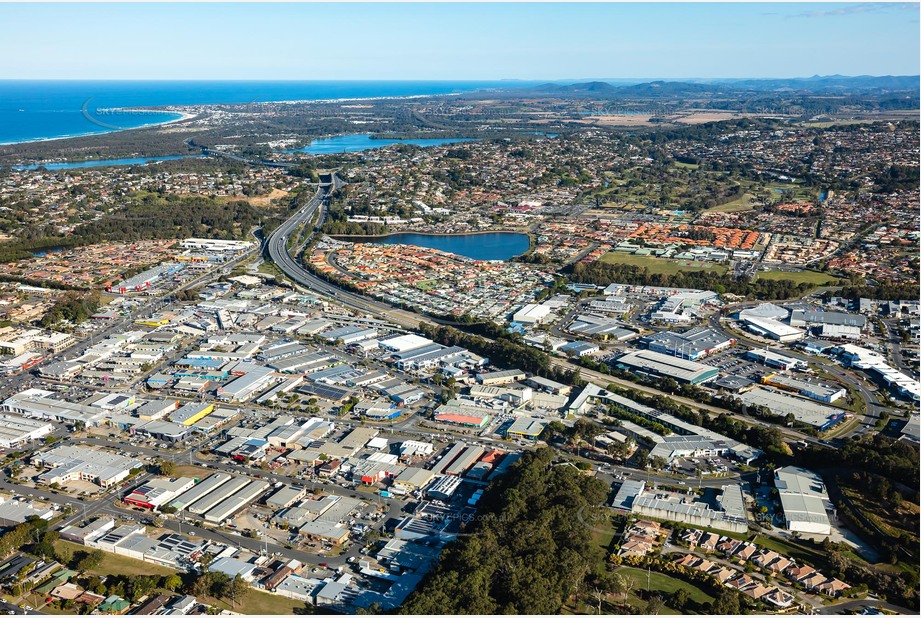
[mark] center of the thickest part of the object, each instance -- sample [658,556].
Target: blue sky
[456,41]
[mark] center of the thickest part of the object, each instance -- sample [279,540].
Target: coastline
[182,117]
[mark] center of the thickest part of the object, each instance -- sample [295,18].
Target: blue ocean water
[358,143]
[492,246]
[34,110]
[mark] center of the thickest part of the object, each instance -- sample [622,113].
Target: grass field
[803,276]
[800,552]
[660,266]
[738,205]
[661,583]
[259,603]
[113,564]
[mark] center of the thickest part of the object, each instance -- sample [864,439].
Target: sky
[459,41]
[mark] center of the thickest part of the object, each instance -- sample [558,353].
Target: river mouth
[476,246]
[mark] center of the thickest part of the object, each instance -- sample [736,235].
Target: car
[323,564]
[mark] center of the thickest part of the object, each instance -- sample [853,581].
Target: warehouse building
[412,479]
[531,314]
[819,392]
[772,329]
[661,365]
[16,430]
[773,359]
[729,514]
[498,378]
[153,494]
[226,490]
[465,416]
[285,497]
[690,345]
[40,404]
[465,460]
[69,463]
[820,416]
[804,500]
[188,414]
[525,426]
[244,387]
[200,490]
[237,502]
[448,457]
[444,488]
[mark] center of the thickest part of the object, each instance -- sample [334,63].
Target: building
[579,349]
[527,427]
[15,431]
[690,345]
[661,365]
[154,494]
[466,416]
[773,359]
[729,514]
[772,329]
[803,410]
[497,378]
[68,463]
[819,392]
[804,500]
[412,479]
[443,489]
[532,314]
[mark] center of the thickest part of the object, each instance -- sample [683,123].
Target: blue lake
[104,162]
[491,246]
[358,143]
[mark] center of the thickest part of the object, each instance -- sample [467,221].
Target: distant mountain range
[707,87]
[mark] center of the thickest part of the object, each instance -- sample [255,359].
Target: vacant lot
[660,266]
[661,583]
[743,203]
[803,276]
[258,603]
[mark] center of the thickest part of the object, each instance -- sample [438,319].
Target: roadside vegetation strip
[656,265]
[802,276]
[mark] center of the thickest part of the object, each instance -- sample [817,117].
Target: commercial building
[729,513]
[40,404]
[236,502]
[212,499]
[772,329]
[531,314]
[465,416]
[579,349]
[804,500]
[412,479]
[444,488]
[661,365]
[690,345]
[497,378]
[465,460]
[820,416]
[68,463]
[244,387]
[16,430]
[154,494]
[202,489]
[527,427]
[819,392]
[876,364]
[774,359]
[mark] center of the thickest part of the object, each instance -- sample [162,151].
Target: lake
[358,143]
[489,246]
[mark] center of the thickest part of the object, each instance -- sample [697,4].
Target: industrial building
[68,463]
[772,329]
[820,416]
[465,460]
[212,499]
[773,359]
[205,487]
[819,392]
[527,427]
[690,345]
[243,388]
[236,502]
[154,494]
[729,514]
[662,365]
[532,314]
[443,489]
[497,378]
[804,500]
[16,430]
[465,416]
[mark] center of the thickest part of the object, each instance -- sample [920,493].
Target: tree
[655,604]
[172,582]
[641,457]
[167,468]
[679,599]
[726,603]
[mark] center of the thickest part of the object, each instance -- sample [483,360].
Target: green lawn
[660,266]
[803,276]
[259,603]
[665,584]
[798,551]
[113,564]
[738,205]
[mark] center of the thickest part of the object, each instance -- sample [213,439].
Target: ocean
[37,110]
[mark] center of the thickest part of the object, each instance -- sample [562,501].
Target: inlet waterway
[361,142]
